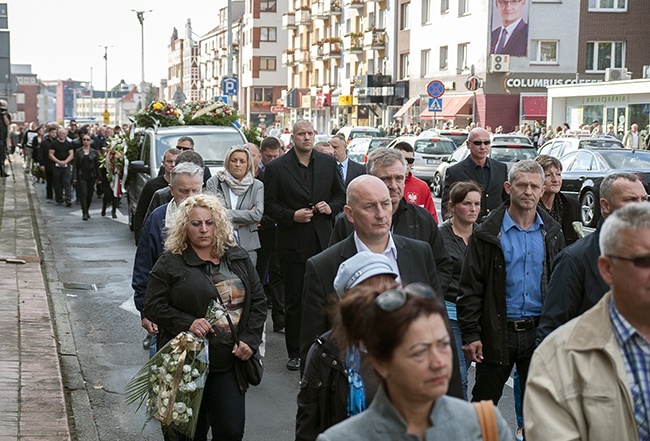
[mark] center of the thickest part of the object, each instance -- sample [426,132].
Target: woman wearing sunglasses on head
[409,347]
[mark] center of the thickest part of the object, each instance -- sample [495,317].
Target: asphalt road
[90,278]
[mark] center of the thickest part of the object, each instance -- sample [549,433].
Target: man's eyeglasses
[478,142]
[183,148]
[639,262]
[410,160]
[509,2]
[394,299]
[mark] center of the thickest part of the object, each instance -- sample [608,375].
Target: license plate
[432,161]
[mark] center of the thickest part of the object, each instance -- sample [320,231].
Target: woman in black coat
[85,173]
[564,210]
[202,262]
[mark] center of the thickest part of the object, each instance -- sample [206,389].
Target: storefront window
[591,113]
[639,114]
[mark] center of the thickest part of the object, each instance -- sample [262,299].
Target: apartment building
[183,66]
[27,94]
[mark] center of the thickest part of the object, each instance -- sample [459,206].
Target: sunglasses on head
[394,299]
[639,262]
[410,160]
[478,142]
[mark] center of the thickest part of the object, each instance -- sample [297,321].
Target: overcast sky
[61,39]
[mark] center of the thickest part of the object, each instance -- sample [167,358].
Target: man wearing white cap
[324,388]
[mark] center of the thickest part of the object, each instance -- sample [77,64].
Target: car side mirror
[138,167]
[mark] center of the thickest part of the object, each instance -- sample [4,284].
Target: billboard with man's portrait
[509,28]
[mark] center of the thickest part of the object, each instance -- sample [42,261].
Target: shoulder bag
[487,418]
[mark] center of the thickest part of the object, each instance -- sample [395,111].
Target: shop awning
[405,108]
[451,106]
[533,107]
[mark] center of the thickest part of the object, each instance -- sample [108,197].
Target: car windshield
[512,154]
[378,143]
[364,134]
[211,146]
[601,143]
[627,159]
[458,139]
[512,139]
[434,146]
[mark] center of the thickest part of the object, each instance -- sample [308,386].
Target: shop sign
[606,99]
[544,82]
[345,100]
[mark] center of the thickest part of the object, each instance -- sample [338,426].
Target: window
[426,11]
[404,66]
[604,54]
[444,57]
[444,6]
[20,98]
[608,5]
[267,63]
[347,70]
[268,6]
[543,51]
[404,15]
[263,94]
[425,57]
[268,34]
[463,7]
[462,57]
[583,162]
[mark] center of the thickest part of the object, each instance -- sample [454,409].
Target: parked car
[429,153]
[559,147]
[353,132]
[457,135]
[584,170]
[363,147]
[512,139]
[211,142]
[507,153]
[404,138]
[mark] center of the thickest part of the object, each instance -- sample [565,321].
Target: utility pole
[140,15]
[106,115]
[92,113]
[230,38]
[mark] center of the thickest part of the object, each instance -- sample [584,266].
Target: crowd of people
[383,308]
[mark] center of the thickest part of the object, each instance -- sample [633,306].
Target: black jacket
[575,284]
[414,222]
[180,289]
[77,161]
[482,296]
[570,214]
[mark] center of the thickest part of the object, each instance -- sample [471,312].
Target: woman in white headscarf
[242,195]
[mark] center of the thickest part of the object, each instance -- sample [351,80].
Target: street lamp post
[140,15]
[106,115]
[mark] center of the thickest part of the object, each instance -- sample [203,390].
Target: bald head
[479,153]
[369,210]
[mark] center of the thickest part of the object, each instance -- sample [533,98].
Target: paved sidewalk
[32,403]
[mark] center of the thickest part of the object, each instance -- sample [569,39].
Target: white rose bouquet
[171,383]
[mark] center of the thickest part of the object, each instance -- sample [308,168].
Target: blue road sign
[229,85]
[223,98]
[435,104]
[435,89]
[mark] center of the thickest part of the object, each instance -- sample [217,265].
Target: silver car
[429,153]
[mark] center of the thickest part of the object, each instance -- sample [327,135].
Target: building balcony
[303,16]
[289,21]
[318,10]
[288,59]
[302,56]
[332,49]
[331,7]
[222,52]
[375,39]
[317,51]
[354,3]
[353,42]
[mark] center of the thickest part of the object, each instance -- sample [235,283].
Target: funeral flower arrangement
[159,113]
[208,113]
[171,383]
[113,157]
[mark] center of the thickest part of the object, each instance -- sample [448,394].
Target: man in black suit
[369,209]
[348,169]
[511,38]
[488,173]
[303,193]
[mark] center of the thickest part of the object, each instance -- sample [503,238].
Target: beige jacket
[577,388]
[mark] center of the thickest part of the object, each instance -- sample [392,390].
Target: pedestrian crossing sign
[435,104]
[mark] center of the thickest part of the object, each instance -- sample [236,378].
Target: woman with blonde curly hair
[201,263]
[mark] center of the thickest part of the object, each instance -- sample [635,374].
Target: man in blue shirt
[503,281]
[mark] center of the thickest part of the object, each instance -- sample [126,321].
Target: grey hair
[608,183]
[526,166]
[384,157]
[186,169]
[632,217]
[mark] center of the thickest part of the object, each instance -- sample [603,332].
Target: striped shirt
[635,350]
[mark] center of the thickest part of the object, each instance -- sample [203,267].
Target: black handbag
[253,368]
